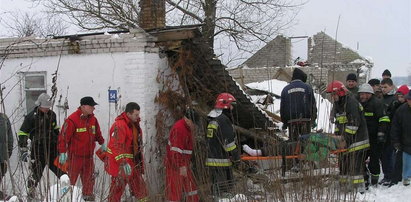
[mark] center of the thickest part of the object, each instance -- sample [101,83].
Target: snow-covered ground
[276,86]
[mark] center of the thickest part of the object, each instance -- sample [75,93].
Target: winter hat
[403,90]
[299,74]
[351,77]
[87,101]
[366,88]
[374,82]
[43,101]
[386,73]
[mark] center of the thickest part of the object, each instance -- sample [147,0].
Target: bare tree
[27,24]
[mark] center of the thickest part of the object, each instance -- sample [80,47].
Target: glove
[104,147]
[126,168]
[183,171]
[62,158]
[24,154]
[381,137]
[397,147]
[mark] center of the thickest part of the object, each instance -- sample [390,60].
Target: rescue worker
[401,137]
[298,109]
[350,123]
[222,148]
[377,123]
[125,159]
[40,126]
[6,148]
[375,84]
[387,159]
[179,177]
[352,84]
[400,99]
[76,144]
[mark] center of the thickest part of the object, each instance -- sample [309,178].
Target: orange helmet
[224,101]
[337,87]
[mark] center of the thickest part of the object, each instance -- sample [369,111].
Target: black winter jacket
[375,117]
[41,128]
[297,102]
[350,123]
[401,128]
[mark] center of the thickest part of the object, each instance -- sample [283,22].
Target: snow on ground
[276,86]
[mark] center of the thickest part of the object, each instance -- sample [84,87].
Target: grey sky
[381,27]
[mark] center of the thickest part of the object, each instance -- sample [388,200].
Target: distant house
[327,60]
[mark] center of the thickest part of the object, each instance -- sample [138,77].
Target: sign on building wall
[112,96]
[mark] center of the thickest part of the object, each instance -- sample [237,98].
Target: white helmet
[366,88]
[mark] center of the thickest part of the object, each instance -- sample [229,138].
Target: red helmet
[224,101]
[337,87]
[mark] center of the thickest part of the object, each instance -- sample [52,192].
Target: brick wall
[152,14]
[323,48]
[276,53]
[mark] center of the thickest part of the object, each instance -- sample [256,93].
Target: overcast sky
[382,28]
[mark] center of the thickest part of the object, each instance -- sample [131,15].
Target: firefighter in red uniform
[179,177]
[76,143]
[125,163]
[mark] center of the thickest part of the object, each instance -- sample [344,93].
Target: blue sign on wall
[112,96]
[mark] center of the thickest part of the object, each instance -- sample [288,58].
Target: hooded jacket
[180,145]
[121,145]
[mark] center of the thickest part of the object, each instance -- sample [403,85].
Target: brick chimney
[152,14]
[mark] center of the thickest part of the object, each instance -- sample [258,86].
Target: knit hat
[386,73]
[299,74]
[351,77]
[365,88]
[43,101]
[374,82]
[403,90]
[88,101]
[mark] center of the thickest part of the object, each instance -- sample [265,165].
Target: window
[34,85]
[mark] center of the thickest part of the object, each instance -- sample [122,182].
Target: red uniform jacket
[79,134]
[121,147]
[180,145]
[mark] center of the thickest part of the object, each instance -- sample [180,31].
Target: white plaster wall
[133,74]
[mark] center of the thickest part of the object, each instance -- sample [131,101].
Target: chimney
[152,14]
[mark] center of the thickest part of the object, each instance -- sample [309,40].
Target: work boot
[385,182]
[89,198]
[374,180]
[406,182]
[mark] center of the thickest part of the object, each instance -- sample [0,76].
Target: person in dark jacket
[352,84]
[400,95]
[6,147]
[401,136]
[40,126]
[350,123]
[387,159]
[298,108]
[377,123]
[386,74]
[222,148]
